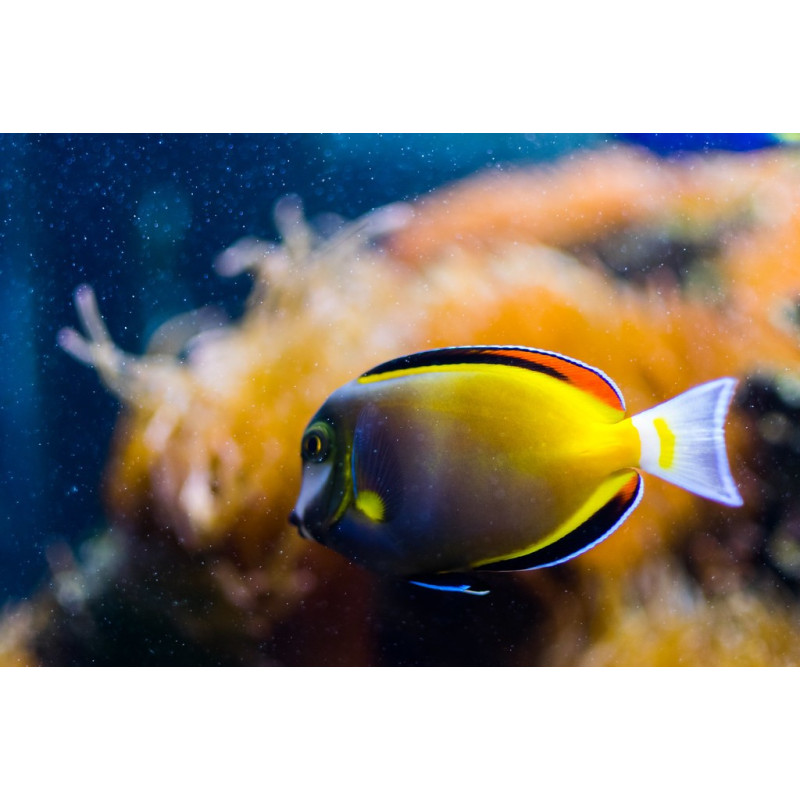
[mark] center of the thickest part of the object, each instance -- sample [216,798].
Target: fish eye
[316,444]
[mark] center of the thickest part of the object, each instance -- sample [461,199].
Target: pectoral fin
[377,480]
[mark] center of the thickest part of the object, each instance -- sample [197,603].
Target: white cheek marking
[315,479]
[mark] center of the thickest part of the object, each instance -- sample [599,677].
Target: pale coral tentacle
[96,348]
[136,380]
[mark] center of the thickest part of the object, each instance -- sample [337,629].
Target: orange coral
[740,629]
[586,196]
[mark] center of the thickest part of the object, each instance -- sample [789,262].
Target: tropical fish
[465,459]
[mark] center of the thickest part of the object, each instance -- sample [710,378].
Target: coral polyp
[662,274]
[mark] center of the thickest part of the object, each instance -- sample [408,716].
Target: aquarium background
[141,218]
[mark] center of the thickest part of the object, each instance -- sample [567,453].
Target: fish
[443,464]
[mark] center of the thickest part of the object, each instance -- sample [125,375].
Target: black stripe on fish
[555,365]
[446,356]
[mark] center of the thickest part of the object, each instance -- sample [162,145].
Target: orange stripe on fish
[579,375]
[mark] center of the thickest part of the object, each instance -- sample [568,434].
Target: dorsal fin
[570,370]
[600,525]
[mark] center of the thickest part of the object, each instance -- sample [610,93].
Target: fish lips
[305,533]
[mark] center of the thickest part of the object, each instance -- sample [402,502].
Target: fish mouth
[294,519]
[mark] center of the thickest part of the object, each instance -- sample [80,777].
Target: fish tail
[683,441]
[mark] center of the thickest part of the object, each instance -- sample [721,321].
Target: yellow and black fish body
[494,458]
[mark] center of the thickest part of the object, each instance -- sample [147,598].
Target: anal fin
[601,524]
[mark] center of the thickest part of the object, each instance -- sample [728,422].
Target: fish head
[325,488]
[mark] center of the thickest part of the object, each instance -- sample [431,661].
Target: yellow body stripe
[402,373]
[667,438]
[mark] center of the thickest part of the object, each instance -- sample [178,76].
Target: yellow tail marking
[371,504]
[667,439]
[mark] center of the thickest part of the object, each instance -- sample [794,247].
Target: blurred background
[141,218]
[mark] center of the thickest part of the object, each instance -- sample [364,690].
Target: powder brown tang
[494,458]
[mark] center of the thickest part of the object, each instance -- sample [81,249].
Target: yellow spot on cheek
[667,439]
[370,504]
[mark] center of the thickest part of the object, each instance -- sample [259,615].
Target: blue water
[141,218]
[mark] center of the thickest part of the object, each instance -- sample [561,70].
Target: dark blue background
[141,218]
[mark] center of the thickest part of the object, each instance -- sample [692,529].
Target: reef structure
[662,273]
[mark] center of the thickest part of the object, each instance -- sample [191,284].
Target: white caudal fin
[683,441]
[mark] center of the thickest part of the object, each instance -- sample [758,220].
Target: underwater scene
[400,400]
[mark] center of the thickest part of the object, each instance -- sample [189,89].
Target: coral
[678,627]
[661,274]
